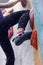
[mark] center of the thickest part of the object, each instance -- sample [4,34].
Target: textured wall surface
[38,11]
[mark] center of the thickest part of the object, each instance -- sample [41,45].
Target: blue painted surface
[38,12]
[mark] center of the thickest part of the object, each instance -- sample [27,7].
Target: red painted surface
[34,39]
[32,19]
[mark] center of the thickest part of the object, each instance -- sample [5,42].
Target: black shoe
[22,37]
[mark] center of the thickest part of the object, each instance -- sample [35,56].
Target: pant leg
[7,48]
[11,19]
[24,19]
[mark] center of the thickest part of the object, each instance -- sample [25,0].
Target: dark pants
[6,45]
[22,17]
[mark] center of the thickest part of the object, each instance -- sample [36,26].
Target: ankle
[20,31]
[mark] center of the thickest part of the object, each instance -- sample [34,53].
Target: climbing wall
[38,12]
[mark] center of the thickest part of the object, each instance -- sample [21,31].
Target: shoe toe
[17,41]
